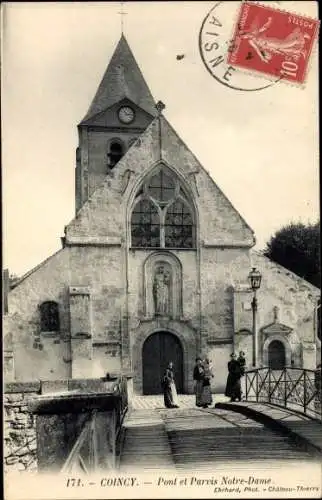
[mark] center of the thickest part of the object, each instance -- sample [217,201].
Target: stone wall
[50,355]
[20,447]
[23,448]
[37,354]
[220,270]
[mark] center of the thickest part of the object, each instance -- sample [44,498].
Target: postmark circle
[214,41]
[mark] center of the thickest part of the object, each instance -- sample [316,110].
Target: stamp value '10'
[272,42]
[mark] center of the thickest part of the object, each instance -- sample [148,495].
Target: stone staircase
[145,443]
[200,439]
[190,438]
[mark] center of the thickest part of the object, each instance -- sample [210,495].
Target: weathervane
[122,14]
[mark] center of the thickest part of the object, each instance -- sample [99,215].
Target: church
[154,266]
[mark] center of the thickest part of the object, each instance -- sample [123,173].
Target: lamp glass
[255,278]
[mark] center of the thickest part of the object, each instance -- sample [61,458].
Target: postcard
[161,280]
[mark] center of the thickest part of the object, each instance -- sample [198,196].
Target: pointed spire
[123,78]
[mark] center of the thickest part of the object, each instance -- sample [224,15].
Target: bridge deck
[190,438]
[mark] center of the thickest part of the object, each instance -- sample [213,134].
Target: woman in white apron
[169,388]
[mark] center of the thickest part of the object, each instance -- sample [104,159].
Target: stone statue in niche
[161,291]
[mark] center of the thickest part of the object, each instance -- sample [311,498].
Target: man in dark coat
[242,362]
[198,377]
[233,387]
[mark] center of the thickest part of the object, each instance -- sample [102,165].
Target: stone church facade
[154,265]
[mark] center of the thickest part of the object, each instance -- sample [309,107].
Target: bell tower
[121,110]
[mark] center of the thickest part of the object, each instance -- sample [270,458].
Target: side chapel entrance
[158,349]
[276,355]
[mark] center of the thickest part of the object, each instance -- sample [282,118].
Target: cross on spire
[122,14]
[275,312]
[160,107]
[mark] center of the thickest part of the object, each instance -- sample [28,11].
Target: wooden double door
[276,355]
[158,349]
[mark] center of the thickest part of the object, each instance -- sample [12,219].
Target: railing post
[113,437]
[246,384]
[305,393]
[256,385]
[91,442]
[95,444]
[269,385]
[285,389]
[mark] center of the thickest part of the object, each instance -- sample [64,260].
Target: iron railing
[293,388]
[95,447]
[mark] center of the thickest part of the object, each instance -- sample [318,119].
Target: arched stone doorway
[276,355]
[158,349]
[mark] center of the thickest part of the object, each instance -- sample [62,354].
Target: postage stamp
[273,42]
[214,41]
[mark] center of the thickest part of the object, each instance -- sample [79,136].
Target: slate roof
[122,78]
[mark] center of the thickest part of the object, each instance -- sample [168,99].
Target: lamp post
[255,279]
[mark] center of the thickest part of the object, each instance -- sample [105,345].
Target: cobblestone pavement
[156,402]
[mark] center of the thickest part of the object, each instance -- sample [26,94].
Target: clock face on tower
[126,114]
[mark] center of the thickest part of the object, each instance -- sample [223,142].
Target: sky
[261,147]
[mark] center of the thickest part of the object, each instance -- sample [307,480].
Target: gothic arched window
[162,216]
[49,317]
[115,153]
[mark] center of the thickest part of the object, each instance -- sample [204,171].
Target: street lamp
[255,279]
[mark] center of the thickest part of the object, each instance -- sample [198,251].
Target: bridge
[279,421]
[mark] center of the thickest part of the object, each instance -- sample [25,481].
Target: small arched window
[162,216]
[115,153]
[49,317]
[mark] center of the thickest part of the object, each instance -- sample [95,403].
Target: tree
[297,247]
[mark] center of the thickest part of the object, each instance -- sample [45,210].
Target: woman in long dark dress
[242,363]
[198,377]
[169,388]
[233,387]
[206,396]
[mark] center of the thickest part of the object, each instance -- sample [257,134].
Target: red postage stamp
[273,42]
